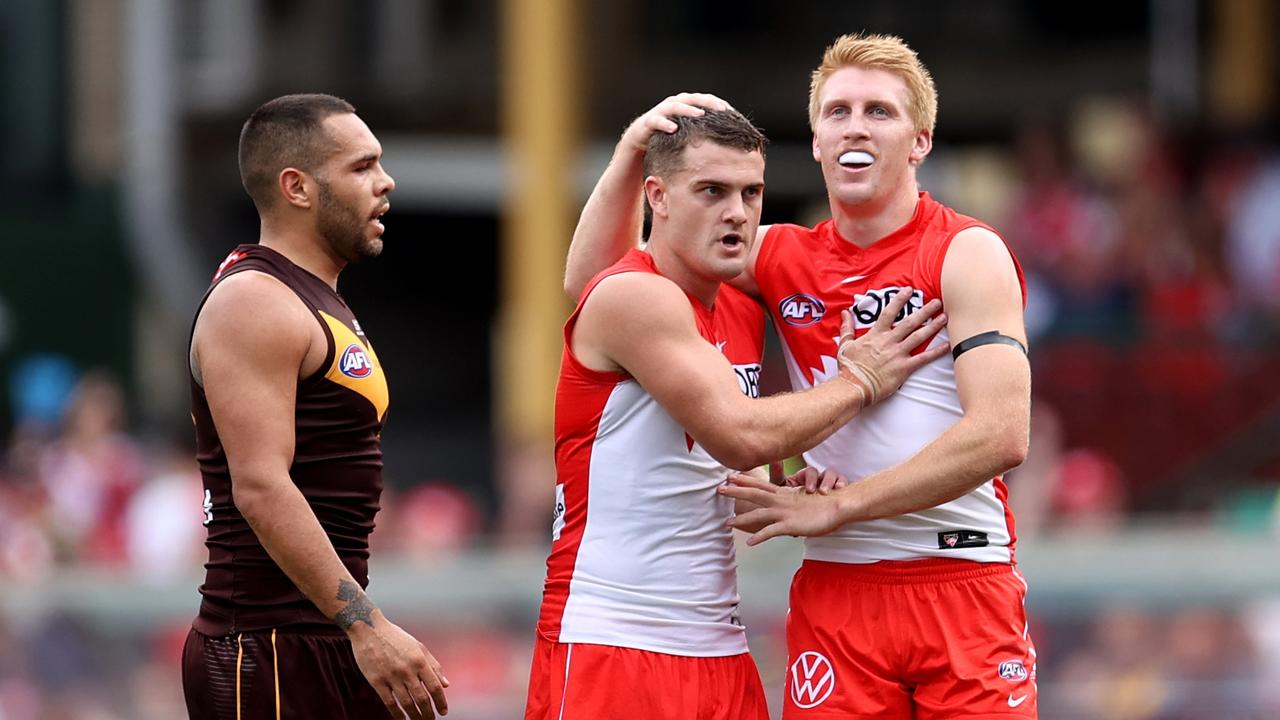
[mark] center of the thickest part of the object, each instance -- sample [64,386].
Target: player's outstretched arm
[612,220]
[642,323]
[249,345]
[982,294]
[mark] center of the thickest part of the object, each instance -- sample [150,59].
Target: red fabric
[919,639]
[599,682]
[825,274]
[581,396]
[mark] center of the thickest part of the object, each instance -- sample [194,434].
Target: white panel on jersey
[885,435]
[655,569]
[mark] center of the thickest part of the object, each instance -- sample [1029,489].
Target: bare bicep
[249,347]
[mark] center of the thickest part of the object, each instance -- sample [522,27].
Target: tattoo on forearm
[359,606]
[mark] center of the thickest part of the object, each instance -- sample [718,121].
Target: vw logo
[812,679]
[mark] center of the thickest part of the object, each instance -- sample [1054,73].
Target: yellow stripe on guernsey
[356,368]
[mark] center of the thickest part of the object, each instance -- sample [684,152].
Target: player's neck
[677,271]
[304,248]
[864,224]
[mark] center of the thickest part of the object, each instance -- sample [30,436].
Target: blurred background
[1128,154]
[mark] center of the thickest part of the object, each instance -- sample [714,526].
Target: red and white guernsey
[807,276]
[640,555]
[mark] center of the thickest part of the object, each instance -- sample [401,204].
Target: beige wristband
[860,374]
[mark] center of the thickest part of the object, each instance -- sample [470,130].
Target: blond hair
[880,52]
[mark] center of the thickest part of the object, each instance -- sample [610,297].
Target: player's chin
[851,191]
[368,250]
[729,268]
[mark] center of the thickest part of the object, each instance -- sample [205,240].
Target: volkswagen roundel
[812,679]
[355,362]
[801,310]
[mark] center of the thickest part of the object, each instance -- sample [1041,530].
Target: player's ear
[817,155]
[923,146]
[296,187]
[655,191]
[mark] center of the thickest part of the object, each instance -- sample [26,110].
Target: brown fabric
[317,677]
[337,466]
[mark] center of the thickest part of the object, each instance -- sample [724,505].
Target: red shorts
[923,639]
[601,682]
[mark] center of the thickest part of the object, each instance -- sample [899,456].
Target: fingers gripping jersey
[807,276]
[640,554]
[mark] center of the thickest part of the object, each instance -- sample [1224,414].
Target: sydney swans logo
[812,680]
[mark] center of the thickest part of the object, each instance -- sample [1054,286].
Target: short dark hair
[722,127]
[285,132]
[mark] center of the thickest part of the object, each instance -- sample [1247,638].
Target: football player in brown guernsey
[289,399]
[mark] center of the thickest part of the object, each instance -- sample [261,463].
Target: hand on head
[659,118]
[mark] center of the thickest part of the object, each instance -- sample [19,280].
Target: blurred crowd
[77,489]
[1152,261]
[1153,267]
[1193,663]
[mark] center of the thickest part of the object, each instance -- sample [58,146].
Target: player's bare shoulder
[627,308]
[638,301]
[977,249]
[255,316]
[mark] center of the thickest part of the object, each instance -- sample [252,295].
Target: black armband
[992,337]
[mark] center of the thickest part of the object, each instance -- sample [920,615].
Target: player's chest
[808,305]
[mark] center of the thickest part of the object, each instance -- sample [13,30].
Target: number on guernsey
[208,506]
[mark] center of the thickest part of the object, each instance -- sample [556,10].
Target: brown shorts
[275,675]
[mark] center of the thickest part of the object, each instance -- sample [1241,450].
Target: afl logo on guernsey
[801,310]
[1013,670]
[355,362]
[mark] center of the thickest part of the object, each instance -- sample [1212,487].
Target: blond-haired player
[908,603]
[639,611]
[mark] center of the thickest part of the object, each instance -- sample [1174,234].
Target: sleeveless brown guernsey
[337,465]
